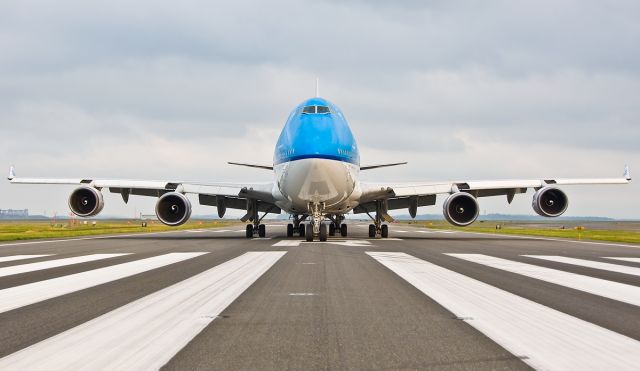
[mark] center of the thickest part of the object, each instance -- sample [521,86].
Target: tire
[249,233]
[301,230]
[309,233]
[343,230]
[385,231]
[262,231]
[332,229]
[323,232]
[289,230]
[372,231]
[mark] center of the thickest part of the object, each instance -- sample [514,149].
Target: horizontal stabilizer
[265,167]
[369,167]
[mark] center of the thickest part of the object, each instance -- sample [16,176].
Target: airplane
[316,168]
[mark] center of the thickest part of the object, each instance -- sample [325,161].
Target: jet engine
[86,201]
[550,202]
[461,209]
[173,209]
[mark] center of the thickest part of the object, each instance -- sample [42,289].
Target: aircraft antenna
[317,87]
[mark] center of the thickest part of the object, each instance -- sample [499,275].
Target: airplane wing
[412,195]
[221,195]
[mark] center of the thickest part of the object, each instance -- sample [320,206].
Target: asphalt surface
[421,299]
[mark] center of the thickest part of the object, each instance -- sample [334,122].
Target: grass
[28,230]
[610,235]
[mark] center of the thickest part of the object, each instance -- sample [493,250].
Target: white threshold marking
[20,257]
[32,267]
[147,333]
[543,337]
[287,243]
[632,260]
[19,296]
[290,243]
[596,286]
[589,264]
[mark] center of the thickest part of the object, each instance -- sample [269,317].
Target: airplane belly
[317,181]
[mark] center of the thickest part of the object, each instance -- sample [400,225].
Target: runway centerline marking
[542,337]
[32,267]
[20,257]
[147,333]
[596,286]
[589,264]
[19,296]
[295,243]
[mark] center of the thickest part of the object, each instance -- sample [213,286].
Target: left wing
[394,196]
[243,196]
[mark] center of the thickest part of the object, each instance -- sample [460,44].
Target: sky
[462,90]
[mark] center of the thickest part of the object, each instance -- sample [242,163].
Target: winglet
[12,173]
[627,173]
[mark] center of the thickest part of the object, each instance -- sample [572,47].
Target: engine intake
[550,202]
[173,209]
[86,201]
[461,209]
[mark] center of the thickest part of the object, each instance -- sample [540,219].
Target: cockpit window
[316,109]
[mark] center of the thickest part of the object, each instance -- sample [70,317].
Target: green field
[603,231]
[27,230]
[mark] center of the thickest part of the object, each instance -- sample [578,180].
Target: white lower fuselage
[331,184]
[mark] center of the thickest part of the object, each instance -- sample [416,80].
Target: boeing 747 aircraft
[316,166]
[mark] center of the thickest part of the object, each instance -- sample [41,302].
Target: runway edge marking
[543,337]
[147,333]
[19,296]
[609,289]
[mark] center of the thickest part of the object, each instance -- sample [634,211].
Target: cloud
[461,90]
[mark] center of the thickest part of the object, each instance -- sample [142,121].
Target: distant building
[10,213]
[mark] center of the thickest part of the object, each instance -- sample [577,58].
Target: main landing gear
[297,226]
[377,228]
[256,227]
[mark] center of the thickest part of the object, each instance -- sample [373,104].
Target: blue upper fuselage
[316,129]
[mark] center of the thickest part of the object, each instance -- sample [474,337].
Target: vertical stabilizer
[12,173]
[317,87]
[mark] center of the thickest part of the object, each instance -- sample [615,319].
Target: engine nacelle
[86,201]
[461,209]
[550,202]
[173,209]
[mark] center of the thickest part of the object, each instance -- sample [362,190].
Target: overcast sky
[460,89]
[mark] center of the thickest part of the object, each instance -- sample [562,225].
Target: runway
[212,299]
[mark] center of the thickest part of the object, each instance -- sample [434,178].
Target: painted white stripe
[426,231]
[148,332]
[589,264]
[222,230]
[608,289]
[632,260]
[19,296]
[545,338]
[399,231]
[31,267]
[287,243]
[20,257]
[100,237]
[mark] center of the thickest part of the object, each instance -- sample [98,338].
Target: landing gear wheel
[385,231]
[372,231]
[262,231]
[343,230]
[289,230]
[323,232]
[301,230]
[249,233]
[309,233]
[332,229]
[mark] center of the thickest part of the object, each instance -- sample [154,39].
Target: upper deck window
[316,109]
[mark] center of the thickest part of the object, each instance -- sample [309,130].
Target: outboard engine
[461,209]
[550,202]
[173,209]
[86,201]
